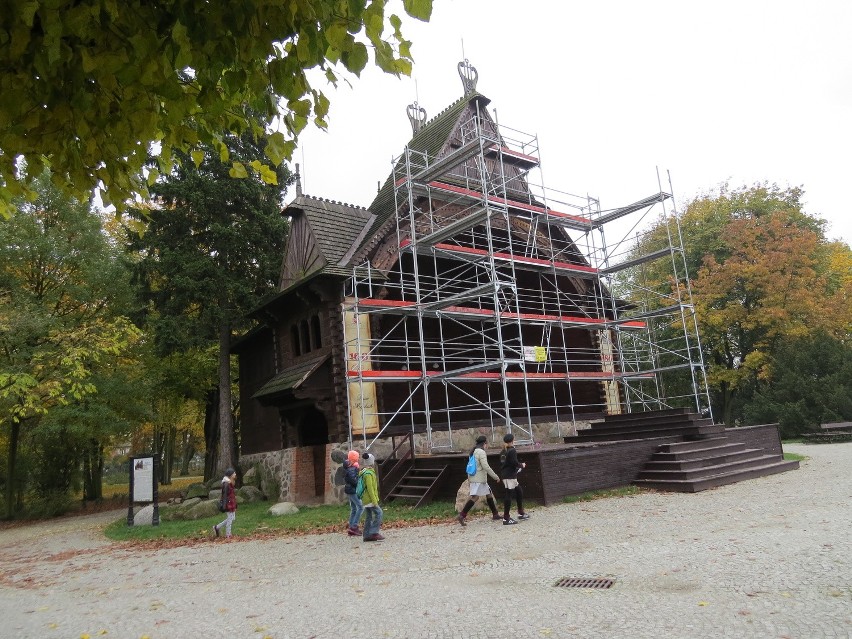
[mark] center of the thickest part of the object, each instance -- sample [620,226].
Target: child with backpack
[368,491]
[228,502]
[356,507]
[478,480]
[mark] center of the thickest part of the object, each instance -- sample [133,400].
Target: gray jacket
[483,470]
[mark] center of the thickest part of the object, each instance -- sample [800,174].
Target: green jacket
[371,486]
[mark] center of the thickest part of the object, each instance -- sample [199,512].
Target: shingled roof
[336,225]
[431,139]
[291,378]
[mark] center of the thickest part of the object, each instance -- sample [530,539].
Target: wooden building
[465,299]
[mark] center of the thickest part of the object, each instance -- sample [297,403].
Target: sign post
[143,486]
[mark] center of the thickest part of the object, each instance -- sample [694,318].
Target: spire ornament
[417,117]
[469,76]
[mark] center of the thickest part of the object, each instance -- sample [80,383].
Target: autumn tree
[87,86]
[211,249]
[60,313]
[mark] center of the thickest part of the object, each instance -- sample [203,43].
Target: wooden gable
[302,255]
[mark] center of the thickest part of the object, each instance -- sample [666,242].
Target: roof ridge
[324,199]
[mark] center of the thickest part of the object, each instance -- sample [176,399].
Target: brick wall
[765,436]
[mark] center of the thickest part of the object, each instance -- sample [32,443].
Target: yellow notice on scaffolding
[613,403]
[535,354]
[363,411]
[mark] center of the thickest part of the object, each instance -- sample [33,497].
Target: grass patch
[253,521]
[622,491]
[794,457]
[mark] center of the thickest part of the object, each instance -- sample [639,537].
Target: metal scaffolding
[512,304]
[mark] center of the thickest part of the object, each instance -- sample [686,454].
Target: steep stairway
[693,466]
[417,484]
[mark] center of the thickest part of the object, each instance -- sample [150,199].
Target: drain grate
[585,582]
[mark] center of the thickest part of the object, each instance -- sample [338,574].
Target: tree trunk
[211,434]
[226,420]
[10,468]
[93,467]
[187,452]
[168,457]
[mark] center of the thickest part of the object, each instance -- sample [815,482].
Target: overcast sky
[738,92]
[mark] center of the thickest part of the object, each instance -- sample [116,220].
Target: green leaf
[238,170]
[356,59]
[197,156]
[276,148]
[420,9]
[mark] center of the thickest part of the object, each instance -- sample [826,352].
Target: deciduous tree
[86,86]
[60,301]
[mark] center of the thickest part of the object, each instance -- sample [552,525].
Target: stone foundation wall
[288,474]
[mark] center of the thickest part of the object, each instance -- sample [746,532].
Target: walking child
[229,497]
[370,498]
[509,469]
[479,482]
[356,507]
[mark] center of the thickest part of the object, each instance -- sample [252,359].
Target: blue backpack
[471,465]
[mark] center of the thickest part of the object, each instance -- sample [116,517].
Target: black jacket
[351,478]
[509,466]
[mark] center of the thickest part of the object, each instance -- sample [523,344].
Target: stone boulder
[252,477]
[145,516]
[463,495]
[196,490]
[338,456]
[250,494]
[214,494]
[201,510]
[283,508]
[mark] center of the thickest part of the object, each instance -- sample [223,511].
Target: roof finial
[469,76]
[298,182]
[417,116]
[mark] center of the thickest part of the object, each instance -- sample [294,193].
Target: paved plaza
[770,557]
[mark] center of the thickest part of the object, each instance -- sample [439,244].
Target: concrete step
[649,426]
[756,460]
[691,431]
[714,481]
[648,414]
[699,453]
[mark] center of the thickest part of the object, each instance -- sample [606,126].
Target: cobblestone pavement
[770,557]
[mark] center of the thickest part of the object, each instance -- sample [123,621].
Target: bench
[831,432]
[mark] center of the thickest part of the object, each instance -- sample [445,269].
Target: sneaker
[496,518]
[461,519]
[509,522]
[353,532]
[376,537]
[523,516]
[216,530]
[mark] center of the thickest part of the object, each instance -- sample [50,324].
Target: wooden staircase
[418,484]
[707,463]
[672,422]
[402,478]
[704,458]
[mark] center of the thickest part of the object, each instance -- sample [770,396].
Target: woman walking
[479,482]
[229,497]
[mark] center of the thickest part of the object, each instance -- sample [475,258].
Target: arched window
[304,336]
[294,341]
[316,336]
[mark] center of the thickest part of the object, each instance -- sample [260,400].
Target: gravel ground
[770,557]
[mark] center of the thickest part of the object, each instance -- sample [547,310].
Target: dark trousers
[507,501]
